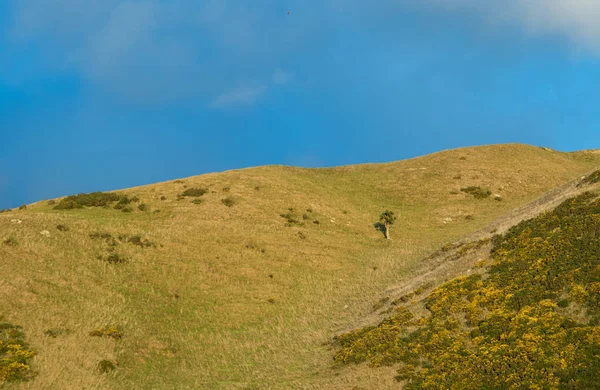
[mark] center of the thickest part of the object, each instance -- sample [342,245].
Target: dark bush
[135,199]
[115,259]
[143,207]
[137,240]
[94,199]
[51,202]
[477,192]
[197,201]
[106,366]
[62,228]
[194,192]
[229,201]
[163,198]
[22,207]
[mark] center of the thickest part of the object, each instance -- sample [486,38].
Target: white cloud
[576,20]
[241,96]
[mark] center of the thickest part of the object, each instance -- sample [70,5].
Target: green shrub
[477,192]
[94,199]
[15,355]
[229,201]
[62,228]
[106,366]
[197,201]
[127,209]
[195,192]
[143,207]
[51,202]
[135,199]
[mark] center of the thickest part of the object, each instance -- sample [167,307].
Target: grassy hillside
[241,287]
[531,319]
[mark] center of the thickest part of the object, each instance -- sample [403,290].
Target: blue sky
[113,94]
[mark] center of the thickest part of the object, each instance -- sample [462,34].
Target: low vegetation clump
[23,207]
[229,201]
[137,240]
[194,192]
[111,331]
[4,211]
[11,241]
[106,366]
[51,202]
[532,322]
[15,355]
[477,192]
[94,199]
[291,218]
[122,203]
[62,228]
[55,332]
[114,259]
[143,207]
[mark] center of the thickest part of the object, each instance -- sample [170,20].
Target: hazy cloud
[153,51]
[281,77]
[576,20]
[241,96]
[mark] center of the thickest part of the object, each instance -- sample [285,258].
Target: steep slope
[236,290]
[527,318]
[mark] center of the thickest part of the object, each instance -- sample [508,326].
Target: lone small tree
[387,218]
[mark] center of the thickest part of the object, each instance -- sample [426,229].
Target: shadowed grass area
[239,297]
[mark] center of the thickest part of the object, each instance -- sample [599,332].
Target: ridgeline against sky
[112,94]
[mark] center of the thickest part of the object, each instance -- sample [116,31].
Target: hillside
[244,285]
[529,317]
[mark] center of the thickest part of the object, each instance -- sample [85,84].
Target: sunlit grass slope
[242,287]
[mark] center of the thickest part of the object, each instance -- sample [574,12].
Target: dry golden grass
[232,298]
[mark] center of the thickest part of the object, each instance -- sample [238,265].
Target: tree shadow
[380,226]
